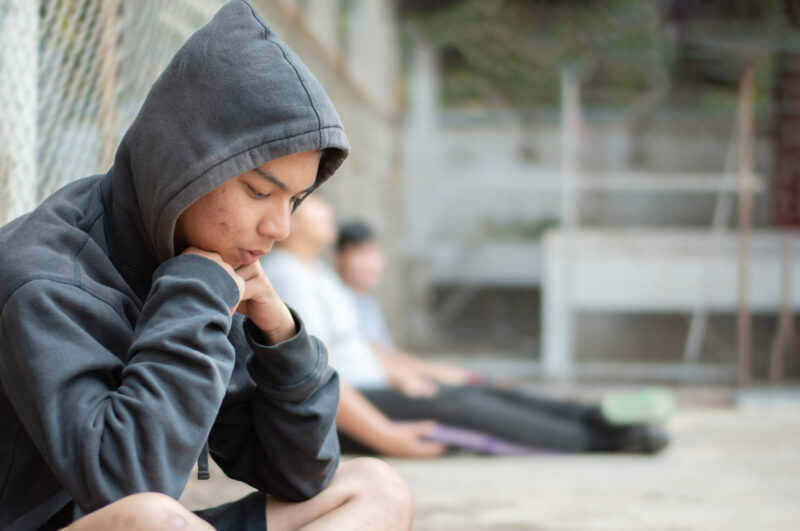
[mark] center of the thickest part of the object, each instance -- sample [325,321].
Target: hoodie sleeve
[290,450]
[115,410]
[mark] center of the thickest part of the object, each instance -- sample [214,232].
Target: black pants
[522,418]
[245,514]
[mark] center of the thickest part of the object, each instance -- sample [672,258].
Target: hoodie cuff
[298,361]
[203,269]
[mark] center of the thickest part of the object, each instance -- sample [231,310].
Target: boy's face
[241,219]
[361,265]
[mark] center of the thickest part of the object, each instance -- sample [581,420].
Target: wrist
[280,334]
[280,326]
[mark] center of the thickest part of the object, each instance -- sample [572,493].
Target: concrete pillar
[420,160]
[422,115]
[371,50]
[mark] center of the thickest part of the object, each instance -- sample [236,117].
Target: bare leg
[365,493]
[144,511]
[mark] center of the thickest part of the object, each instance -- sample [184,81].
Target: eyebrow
[271,178]
[277,182]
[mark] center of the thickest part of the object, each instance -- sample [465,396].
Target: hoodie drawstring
[202,463]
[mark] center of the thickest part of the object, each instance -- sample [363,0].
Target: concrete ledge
[654,271]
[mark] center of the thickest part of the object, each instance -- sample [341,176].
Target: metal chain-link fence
[73,73]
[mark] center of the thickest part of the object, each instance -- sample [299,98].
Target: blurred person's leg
[643,406]
[475,409]
[527,420]
[606,434]
[560,408]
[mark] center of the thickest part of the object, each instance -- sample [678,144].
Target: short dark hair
[353,233]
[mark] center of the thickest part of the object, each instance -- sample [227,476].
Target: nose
[275,223]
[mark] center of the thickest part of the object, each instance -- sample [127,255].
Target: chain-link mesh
[73,73]
[18,103]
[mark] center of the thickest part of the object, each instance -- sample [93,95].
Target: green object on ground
[644,406]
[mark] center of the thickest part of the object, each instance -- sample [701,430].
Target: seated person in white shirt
[391,397]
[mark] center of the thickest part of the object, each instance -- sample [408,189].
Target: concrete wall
[472,174]
[491,167]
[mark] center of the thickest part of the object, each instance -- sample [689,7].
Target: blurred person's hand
[408,439]
[448,374]
[414,385]
[406,377]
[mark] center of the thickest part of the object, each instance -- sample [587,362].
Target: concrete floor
[728,468]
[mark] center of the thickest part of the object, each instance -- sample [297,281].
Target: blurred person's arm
[404,377]
[407,372]
[363,422]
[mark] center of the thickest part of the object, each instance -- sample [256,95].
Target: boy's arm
[279,434]
[114,409]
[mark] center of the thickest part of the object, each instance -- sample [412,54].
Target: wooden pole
[785,336]
[570,118]
[744,319]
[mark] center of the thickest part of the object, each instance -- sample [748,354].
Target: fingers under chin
[251,271]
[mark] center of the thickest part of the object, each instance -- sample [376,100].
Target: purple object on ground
[477,441]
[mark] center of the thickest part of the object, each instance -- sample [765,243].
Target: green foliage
[508,52]
[517,229]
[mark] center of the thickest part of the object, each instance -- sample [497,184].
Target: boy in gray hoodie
[138,332]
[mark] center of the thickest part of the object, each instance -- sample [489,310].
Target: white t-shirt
[315,292]
[371,320]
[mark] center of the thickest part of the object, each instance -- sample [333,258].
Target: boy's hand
[257,298]
[261,304]
[240,283]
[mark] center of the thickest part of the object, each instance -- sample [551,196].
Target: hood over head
[233,97]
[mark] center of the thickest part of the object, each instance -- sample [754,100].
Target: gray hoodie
[119,359]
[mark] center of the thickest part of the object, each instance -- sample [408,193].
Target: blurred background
[574,195]
[571,189]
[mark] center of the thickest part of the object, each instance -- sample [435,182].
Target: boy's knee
[151,510]
[378,481]
[146,510]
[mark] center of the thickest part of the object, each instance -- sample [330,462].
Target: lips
[249,256]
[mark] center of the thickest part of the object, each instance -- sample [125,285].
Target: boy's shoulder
[50,242]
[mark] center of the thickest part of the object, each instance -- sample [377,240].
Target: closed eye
[297,200]
[300,198]
[257,194]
